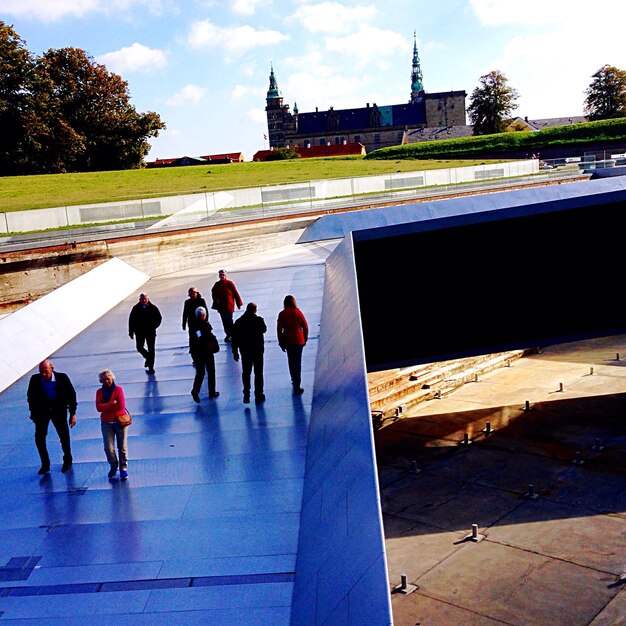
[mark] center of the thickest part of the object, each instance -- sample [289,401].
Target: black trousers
[294,359]
[41,432]
[148,341]
[252,361]
[204,361]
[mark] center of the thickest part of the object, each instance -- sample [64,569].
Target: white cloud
[56,10]
[246,7]
[190,94]
[239,91]
[48,11]
[332,17]
[257,116]
[135,58]
[205,34]
[541,12]
[357,46]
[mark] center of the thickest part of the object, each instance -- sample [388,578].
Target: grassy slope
[18,193]
[613,130]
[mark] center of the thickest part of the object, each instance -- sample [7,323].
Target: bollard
[402,582]
[560,386]
[414,467]
[591,371]
[487,428]
[527,406]
[474,531]
[465,439]
[531,490]
[617,357]
[475,378]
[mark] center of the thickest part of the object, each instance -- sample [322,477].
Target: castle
[373,126]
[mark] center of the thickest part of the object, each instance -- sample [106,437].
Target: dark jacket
[248,334]
[198,340]
[189,311]
[144,320]
[39,404]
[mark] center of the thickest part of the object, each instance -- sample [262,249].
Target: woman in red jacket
[293,333]
[111,404]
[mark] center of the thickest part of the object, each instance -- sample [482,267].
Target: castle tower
[275,112]
[417,87]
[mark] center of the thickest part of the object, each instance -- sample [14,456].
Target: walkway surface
[546,490]
[205,530]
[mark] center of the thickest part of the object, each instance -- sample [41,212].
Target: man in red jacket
[225,297]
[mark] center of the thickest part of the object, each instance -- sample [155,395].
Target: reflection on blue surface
[205,530]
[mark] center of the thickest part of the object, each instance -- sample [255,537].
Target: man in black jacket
[50,395]
[189,311]
[143,321]
[248,339]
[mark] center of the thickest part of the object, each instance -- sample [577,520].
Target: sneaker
[123,474]
[43,470]
[246,398]
[228,339]
[213,395]
[112,473]
[66,466]
[151,370]
[260,398]
[195,396]
[298,391]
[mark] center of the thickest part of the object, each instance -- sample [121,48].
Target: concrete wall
[341,572]
[34,332]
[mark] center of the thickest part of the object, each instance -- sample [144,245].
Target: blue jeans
[112,432]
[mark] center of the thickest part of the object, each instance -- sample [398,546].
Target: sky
[203,65]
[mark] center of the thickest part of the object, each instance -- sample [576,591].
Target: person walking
[50,396]
[225,296]
[194,300]
[293,332]
[143,321]
[110,402]
[248,339]
[203,346]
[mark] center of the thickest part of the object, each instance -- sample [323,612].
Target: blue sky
[203,65]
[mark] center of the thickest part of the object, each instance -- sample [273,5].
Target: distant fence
[260,202]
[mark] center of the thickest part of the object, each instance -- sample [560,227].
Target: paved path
[555,559]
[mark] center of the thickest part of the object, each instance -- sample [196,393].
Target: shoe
[112,473]
[260,398]
[228,339]
[298,391]
[246,398]
[151,370]
[66,466]
[195,396]
[214,395]
[43,470]
[123,474]
[145,363]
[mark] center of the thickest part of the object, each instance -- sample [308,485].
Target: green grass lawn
[18,193]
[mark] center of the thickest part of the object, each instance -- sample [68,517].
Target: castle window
[322,142]
[337,141]
[357,138]
[376,138]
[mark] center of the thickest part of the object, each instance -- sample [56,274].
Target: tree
[93,125]
[491,104]
[17,76]
[606,95]
[62,112]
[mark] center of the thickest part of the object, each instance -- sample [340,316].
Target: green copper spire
[273,90]
[416,72]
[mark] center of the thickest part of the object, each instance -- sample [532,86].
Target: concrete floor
[546,491]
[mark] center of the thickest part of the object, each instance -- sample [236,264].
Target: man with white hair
[203,344]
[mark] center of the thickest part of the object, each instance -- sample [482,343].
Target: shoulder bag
[125,420]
